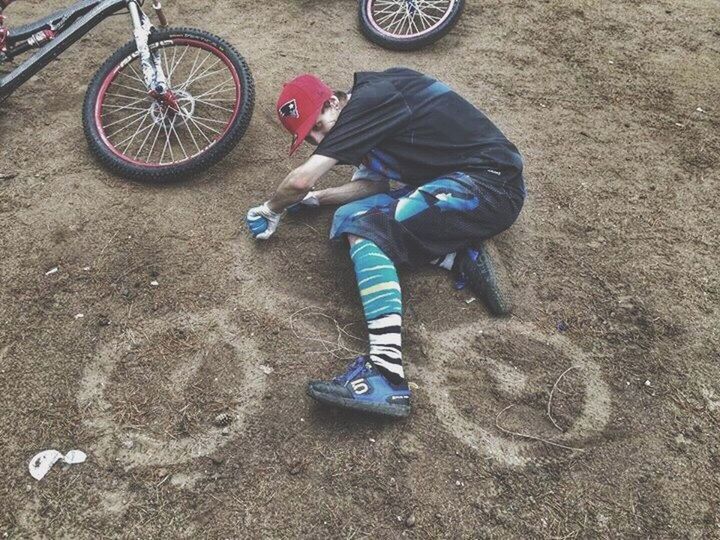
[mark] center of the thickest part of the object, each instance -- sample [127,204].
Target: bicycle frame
[65,27]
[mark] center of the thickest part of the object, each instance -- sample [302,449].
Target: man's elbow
[301,183]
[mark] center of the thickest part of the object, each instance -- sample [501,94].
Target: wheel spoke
[215,89]
[172,70]
[187,126]
[192,69]
[168,144]
[119,108]
[203,76]
[112,136]
[172,127]
[197,124]
[141,79]
[209,141]
[121,96]
[160,125]
[392,18]
[196,117]
[131,78]
[133,115]
[142,145]
[132,137]
[207,102]
[203,124]
[165,66]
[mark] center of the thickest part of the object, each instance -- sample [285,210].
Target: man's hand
[262,221]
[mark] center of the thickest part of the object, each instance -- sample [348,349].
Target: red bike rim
[218,135]
[393,19]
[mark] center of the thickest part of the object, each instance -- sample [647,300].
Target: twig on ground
[549,413]
[533,437]
[330,347]
[312,228]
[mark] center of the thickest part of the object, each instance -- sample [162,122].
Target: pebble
[410,521]
[223,419]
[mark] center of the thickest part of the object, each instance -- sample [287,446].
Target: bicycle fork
[155,79]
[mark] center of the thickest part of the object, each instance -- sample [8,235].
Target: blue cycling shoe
[363,388]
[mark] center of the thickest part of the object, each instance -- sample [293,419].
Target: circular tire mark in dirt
[151,394]
[477,370]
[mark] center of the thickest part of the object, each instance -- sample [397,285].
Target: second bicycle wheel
[195,124]
[408,24]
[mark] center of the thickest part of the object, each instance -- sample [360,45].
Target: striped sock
[382,303]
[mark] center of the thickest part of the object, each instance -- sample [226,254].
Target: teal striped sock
[382,303]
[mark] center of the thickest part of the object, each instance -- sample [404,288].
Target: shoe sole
[396,411]
[483,281]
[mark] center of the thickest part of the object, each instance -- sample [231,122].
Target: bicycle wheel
[201,118]
[408,24]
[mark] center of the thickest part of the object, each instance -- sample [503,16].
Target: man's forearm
[352,191]
[301,180]
[287,193]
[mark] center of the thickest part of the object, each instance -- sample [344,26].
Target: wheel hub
[171,107]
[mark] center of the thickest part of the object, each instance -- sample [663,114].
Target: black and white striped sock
[386,346]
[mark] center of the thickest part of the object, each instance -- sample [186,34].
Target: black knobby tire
[394,38]
[240,107]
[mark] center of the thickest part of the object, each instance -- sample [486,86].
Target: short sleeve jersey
[412,128]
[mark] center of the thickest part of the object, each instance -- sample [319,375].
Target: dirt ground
[592,412]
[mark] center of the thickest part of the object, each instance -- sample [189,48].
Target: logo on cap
[289,109]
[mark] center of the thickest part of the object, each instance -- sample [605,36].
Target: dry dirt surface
[592,412]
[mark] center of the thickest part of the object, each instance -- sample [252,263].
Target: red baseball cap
[299,105]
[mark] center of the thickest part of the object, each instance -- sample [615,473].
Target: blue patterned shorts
[416,225]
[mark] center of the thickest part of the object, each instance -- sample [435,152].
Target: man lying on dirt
[463,183]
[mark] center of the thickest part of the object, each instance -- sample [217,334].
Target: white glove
[262,221]
[310,199]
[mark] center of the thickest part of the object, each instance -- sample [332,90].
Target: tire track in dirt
[154,450]
[217,331]
[452,345]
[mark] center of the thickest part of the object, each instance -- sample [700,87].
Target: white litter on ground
[41,463]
